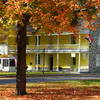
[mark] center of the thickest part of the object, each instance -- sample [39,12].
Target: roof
[6,56]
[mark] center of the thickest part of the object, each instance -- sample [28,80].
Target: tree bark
[21,60]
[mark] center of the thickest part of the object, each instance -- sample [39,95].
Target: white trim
[79,54]
[57,62]
[57,53]
[37,66]
[88,61]
[66,59]
[79,63]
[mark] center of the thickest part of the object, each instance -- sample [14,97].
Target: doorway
[51,62]
[73,64]
[0,64]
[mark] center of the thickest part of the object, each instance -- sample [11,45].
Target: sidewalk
[54,75]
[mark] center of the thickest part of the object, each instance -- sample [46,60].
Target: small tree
[48,16]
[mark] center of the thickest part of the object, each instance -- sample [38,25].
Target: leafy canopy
[49,15]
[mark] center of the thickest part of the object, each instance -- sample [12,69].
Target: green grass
[29,73]
[77,82]
[45,73]
[7,73]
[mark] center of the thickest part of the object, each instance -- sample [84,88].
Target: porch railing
[52,47]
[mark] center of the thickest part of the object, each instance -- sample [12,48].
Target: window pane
[98,60]
[73,40]
[98,39]
[12,62]
[5,62]
[74,60]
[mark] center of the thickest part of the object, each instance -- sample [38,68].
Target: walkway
[48,79]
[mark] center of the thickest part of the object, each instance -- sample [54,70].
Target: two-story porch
[56,52]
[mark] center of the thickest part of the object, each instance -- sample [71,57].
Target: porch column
[57,53]
[57,62]
[88,60]
[66,59]
[37,41]
[46,62]
[7,45]
[79,63]
[79,54]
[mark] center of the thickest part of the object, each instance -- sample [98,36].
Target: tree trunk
[21,60]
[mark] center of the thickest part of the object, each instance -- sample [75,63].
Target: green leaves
[82,2]
[44,10]
[5,20]
[32,5]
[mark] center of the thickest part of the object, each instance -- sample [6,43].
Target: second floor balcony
[52,48]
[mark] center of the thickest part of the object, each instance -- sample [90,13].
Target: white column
[79,63]
[46,61]
[66,59]
[79,54]
[57,53]
[88,60]
[7,44]
[37,67]
[57,62]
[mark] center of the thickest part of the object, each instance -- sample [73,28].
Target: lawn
[65,90]
[30,73]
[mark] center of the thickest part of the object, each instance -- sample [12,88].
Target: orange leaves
[28,1]
[98,25]
[46,91]
[50,14]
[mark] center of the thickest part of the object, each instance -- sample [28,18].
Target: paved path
[48,79]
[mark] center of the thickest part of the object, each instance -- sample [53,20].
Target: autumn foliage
[50,15]
[45,91]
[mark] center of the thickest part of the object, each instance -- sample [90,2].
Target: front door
[0,64]
[51,62]
[73,64]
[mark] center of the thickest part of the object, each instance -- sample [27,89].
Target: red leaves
[50,91]
[51,14]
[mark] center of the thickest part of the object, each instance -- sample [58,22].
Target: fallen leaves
[44,91]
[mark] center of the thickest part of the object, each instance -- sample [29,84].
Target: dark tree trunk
[21,60]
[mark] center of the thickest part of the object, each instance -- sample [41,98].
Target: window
[12,62]
[5,62]
[73,39]
[74,60]
[99,39]
[98,60]
[38,59]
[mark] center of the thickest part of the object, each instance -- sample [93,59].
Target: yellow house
[55,52]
